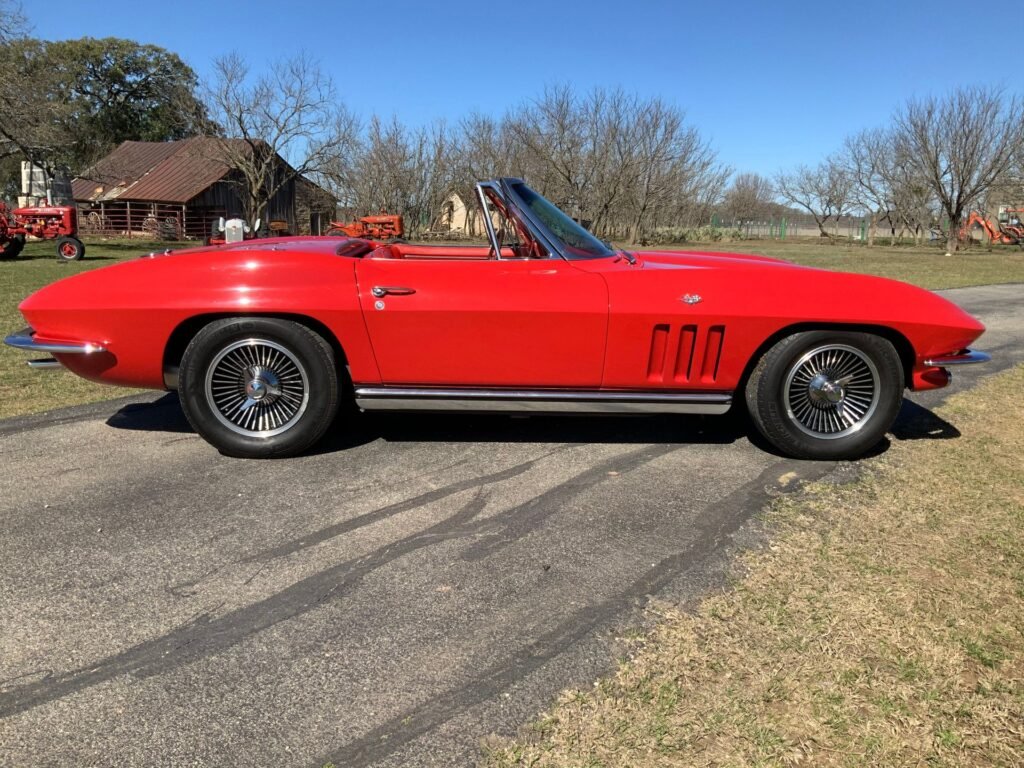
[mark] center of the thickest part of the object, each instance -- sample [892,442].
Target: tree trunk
[952,241]
[872,226]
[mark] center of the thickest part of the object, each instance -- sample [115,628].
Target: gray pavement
[418,583]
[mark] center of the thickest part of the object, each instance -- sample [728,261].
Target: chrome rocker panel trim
[25,340]
[965,357]
[539,400]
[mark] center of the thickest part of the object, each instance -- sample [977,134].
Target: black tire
[12,247]
[70,249]
[826,394]
[294,396]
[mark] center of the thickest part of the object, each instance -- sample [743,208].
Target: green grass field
[926,266]
[25,391]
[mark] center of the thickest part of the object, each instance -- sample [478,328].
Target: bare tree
[749,197]
[868,160]
[291,112]
[960,145]
[13,24]
[615,162]
[824,191]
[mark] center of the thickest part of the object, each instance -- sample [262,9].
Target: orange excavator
[1007,233]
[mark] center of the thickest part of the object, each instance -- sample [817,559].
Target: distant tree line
[937,159]
[619,163]
[626,166]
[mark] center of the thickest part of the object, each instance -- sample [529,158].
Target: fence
[149,221]
[783,227]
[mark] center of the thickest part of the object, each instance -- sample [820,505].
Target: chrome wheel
[257,387]
[831,391]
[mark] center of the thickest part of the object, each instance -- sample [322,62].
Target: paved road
[392,599]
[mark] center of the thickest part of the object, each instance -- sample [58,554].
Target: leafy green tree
[66,103]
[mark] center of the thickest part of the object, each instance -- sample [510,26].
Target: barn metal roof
[153,171]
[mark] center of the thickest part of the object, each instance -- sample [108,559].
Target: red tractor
[382,227]
[47,222]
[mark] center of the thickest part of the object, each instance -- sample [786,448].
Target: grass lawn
[25,391]
[926,266]
[884,625]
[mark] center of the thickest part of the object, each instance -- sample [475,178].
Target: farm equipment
[46,222]
[233,230]
[1005,233]
[381,227]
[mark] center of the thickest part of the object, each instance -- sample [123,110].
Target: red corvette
[262,339]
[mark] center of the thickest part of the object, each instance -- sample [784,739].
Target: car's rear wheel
[259,387]
[826,394]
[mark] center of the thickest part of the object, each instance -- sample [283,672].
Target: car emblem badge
[691,298]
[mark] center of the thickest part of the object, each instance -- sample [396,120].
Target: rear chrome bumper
[25,340]
[963,357]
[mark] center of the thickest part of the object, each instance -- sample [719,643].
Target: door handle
[391,290]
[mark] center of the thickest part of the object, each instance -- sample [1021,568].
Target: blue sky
[770,84]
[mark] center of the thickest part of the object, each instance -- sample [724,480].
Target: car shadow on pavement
[354,428]
[161,415]
[547,428]
[915,422]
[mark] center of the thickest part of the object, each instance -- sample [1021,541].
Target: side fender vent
[683,355]
[659,346]
[712,354]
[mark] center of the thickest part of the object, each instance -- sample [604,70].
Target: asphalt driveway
[417,584]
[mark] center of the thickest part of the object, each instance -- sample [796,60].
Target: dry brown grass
[883,626]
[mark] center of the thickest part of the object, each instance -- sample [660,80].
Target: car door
[484,322]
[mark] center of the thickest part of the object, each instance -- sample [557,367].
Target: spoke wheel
[826,394]
[256,387]
[259,387]
[831,391]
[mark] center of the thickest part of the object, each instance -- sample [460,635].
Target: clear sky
[770,84]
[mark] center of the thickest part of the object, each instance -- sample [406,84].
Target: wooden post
[128,213]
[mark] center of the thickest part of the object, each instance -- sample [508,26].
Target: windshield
[578,242]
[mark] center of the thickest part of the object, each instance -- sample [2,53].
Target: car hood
[699,259]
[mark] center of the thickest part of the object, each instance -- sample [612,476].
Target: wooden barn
[180,189]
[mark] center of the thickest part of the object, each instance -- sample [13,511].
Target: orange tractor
[1010,232]
[381,227]
[46,222]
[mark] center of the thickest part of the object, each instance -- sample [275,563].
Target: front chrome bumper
[25,340]
[963,357]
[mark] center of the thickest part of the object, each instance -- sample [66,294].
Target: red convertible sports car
[263,339]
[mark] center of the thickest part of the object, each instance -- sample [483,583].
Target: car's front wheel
[826,394]
[259,387]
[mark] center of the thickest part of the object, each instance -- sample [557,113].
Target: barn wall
[224,196]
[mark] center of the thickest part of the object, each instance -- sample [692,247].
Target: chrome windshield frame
[503,189]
